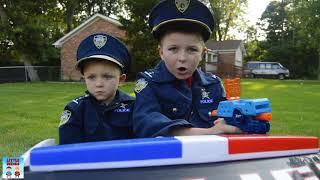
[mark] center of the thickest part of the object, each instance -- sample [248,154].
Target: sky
[253,13]
[255,9]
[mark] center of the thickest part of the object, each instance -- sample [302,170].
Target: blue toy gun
[249,115]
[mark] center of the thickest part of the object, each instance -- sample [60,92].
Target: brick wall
[226,66]
[69,48]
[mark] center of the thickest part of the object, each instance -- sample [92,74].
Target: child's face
[102,79]
[181,53]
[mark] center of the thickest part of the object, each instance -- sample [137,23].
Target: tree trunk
[70,8]
[31,72]
[69,15]
[3,15]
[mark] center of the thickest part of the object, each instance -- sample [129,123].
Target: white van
[265,69]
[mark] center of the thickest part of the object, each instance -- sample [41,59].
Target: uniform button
[174,109]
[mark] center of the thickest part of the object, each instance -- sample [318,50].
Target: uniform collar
[161,74]
[205,78]
[120,98]
[123,97]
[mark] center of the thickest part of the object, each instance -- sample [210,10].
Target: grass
[30,112]
[295,104]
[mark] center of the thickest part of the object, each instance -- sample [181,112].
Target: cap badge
[182,5]
[99,41]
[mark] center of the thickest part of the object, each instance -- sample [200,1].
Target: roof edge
[59,43]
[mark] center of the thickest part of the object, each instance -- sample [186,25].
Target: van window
[262,66]
[268,66]
[253,65]
[275,66]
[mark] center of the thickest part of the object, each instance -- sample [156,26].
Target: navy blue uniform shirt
[86,120]
[164,102]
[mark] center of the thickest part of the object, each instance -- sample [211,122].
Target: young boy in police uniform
[104,112]
[175,97]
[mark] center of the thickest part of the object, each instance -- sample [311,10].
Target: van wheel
[281,76]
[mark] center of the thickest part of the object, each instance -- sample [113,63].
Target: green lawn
[30,112]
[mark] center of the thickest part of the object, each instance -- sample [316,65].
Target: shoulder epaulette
[148,73]
[77,101]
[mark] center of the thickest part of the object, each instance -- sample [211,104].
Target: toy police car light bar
[167,151]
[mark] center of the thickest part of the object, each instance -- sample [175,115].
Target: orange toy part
[214,113]
[233,88]
[264,117]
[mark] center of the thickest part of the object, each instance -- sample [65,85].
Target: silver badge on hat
[99,41]
[182,5]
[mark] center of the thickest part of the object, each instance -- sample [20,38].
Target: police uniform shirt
[86,120]
[164,102]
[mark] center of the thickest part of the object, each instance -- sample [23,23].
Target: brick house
[225,58]
[70,42]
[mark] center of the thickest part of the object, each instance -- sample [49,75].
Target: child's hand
[220,127]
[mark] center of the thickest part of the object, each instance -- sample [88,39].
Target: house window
[211,57]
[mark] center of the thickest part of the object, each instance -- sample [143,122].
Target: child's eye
[107,76]
[172,48]
[193,50]
[91,77]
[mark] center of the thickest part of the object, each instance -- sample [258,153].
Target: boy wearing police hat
[175,97]
[104,112]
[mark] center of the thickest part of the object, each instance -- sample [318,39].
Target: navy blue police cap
[185,13]
[105,47]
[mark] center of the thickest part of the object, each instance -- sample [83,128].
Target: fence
[23,74]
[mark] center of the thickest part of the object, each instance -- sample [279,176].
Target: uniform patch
[99,41]
[182,5]
[65,116]
[123,108]
[205,99]
[140,85]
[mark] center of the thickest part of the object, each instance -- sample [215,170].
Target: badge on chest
[123,108]
[205,98]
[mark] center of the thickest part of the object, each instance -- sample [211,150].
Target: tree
[69,7]
[307,20]
[276,18]
[75,11]
[226,13]
[291,29]
[28,30]
[143,46]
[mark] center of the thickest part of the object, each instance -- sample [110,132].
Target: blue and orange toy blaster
[249,115]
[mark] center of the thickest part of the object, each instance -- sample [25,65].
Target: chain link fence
[29,73]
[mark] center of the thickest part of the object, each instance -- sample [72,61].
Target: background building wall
[69,48]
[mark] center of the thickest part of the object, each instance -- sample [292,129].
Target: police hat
[186,13]
[103,46]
